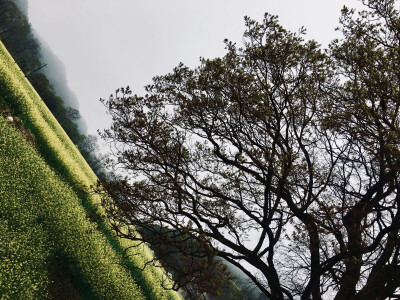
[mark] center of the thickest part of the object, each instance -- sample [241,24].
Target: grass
[41,208]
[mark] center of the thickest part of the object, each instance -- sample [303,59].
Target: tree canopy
[280,157]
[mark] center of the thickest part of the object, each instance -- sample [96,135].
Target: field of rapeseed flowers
[40,216]
[42,220]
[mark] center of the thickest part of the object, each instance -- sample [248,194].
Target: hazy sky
[106,44]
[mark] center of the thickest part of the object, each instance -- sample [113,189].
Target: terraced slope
[50,239]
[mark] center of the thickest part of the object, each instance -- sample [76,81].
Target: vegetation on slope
[92,258]
[42,223]
[17,36]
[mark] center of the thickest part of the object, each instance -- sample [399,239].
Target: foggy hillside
[55,70]
[248,287]
[23,6]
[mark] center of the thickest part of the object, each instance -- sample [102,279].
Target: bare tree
[278,157]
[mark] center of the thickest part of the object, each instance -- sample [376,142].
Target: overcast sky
[106,44]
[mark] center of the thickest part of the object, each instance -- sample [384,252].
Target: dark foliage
[197,274]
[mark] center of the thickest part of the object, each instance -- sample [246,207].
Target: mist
[23,6]
[54,69]
[109,44]
[56,73]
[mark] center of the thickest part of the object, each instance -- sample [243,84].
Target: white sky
[106,44]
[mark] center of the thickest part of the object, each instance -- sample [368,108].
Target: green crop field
[47,239]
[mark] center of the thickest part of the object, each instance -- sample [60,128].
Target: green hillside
[54,241]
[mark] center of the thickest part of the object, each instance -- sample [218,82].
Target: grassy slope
[42,220]
[65,224]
